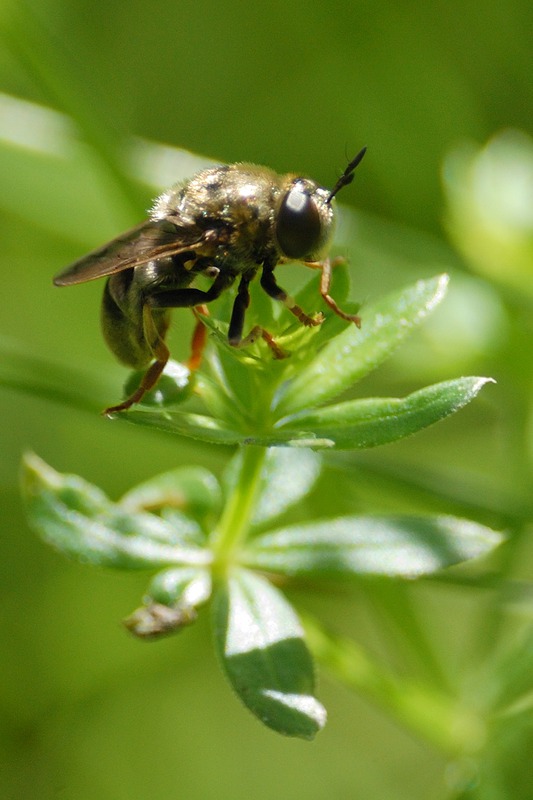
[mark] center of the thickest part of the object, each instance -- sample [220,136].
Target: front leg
[325,284]
[268,282]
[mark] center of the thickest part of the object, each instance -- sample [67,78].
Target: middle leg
[236,326]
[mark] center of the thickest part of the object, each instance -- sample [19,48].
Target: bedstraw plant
[219,548]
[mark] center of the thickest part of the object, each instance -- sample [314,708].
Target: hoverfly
[226,222]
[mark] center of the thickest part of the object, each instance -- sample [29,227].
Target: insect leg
[188,298]
[268,282]
[161,354]
[170,299]
[242,301]
[325,284]
[198,340]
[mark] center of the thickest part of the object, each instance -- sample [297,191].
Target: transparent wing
[146,242]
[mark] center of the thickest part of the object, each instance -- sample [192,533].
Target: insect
[225,223]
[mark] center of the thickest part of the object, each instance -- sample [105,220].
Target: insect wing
[146,242]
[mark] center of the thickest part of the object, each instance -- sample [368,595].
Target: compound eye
[298,227]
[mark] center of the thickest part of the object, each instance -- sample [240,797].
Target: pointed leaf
[180,423]
[355,352]
[375,421]
[78,519]
[213,431]
[260,642]
[402,546]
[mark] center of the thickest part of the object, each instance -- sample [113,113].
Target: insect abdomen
[122,322]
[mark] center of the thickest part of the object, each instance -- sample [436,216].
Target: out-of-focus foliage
[88,712]
[490,208]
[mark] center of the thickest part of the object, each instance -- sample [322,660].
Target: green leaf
[310,300]
[196,426]
[78,519]
[188,586]
[395,546]
[354,424]
[375,421]
[215,392]
[175,386]
[260,643]
[193,490]
[214,431]
[354,353]
[288,475]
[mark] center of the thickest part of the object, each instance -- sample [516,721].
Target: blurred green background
[87,711]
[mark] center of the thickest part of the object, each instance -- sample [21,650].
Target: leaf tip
[477,383]
[35,473]
[441,288]
[483,380]
[307,715]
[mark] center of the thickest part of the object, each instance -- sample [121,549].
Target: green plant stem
[235,519]
[433,716]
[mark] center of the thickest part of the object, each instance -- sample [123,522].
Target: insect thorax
[239,199]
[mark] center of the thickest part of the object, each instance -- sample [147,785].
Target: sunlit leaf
[193,490]
[190,586]
[375,421]
[260,642]
[355,352]
[354,424]
[288,475]
[80,521]
[196,426]
[396,546]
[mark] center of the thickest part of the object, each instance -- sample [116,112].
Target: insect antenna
[347,176]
